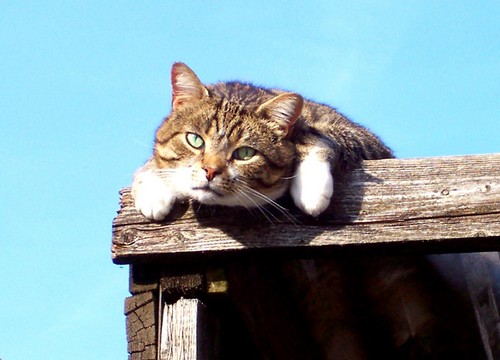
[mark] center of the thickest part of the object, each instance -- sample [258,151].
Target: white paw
[312,186]
[152,197]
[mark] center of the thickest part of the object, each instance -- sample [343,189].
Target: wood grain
[141,326]
[440,204]
[184,331]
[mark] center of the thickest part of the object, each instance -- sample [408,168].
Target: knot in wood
[177,236]
[126,238]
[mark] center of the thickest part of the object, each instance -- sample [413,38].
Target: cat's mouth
[208,190]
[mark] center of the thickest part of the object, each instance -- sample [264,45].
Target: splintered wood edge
[444,204]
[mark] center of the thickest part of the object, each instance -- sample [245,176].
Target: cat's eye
[195,140]
[244,153]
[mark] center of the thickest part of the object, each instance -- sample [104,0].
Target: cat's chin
[211,197]
[231,199]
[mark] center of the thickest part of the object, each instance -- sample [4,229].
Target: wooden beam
[184,332]
[441,204]
[479,273]
[140,310]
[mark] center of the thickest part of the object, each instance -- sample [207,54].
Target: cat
[236,144]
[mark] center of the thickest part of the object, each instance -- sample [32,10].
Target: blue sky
[84,84]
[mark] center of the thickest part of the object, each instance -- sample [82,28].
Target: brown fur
[244,112]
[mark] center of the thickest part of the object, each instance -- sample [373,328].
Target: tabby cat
[235,144]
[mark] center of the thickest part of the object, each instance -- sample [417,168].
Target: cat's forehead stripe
[227,117]
[234,126]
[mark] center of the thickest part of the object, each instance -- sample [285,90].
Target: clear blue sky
[83,85]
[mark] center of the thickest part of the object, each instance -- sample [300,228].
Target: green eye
[244,153]
[195,140]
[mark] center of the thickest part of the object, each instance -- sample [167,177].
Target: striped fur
[282,128]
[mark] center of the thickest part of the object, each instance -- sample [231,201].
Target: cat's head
[226,144]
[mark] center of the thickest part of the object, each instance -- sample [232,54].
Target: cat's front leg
[312,185]
[152,195]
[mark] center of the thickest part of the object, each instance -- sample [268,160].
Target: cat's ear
[187,89]
[283,110]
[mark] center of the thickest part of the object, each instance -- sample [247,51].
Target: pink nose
[211,172]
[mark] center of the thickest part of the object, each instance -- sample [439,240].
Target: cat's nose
[211,172]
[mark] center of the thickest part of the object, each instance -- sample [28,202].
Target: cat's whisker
[249,191]
[242,196]
[165,173]
[142,144]
[265,212]
[249,194]
[261,196]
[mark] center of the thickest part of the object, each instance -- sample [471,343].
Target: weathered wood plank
[141,326]
[480,283]
[184,331]
[442,203]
